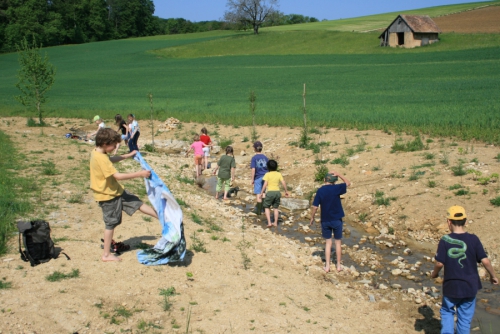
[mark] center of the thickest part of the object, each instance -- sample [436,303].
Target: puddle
[487,313]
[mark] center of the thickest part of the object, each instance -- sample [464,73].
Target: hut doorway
[401,38]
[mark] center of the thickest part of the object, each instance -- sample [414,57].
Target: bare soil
[284,289]
[482,20]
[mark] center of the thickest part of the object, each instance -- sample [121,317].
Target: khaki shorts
[112,209]
[272,199]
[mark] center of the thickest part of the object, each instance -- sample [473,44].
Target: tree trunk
[256,29]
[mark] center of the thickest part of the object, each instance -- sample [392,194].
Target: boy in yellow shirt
[272,181]
[110,194]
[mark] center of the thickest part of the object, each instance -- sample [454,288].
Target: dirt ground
[283,289]
[482,20]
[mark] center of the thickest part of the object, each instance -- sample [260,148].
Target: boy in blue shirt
[259,169]
[459,252]
[328,197]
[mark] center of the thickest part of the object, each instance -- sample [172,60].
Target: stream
[487,315]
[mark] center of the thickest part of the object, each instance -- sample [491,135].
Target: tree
[36,76]
[250,12]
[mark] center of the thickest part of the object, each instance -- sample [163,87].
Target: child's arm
[284,186]
[118,158]
[216,169]
[128,176]
[187,152]
[263,188]
[253,175]
[487,265]
[346,181]
[437,269]
[313,212]
[232,173]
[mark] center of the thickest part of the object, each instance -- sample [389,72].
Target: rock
[243,153]
[383,287]
[294,204]
[308,239]
[371,298]
[8,260]
[306,228]
[396,286]
[407,251]
[215,149]
[418,301]
[396,272]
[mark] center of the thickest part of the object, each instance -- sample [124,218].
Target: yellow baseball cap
[96,118]
[456,213]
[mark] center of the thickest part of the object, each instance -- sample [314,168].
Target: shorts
[257,186]
[206,151]
[272,199]
[112,209]
[220,181]
[335,227]
[198,159]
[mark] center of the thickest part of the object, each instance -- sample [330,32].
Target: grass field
[449,88]
[381,21]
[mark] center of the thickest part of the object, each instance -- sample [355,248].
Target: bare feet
[110,258]
[275,224]
[339,267]
[326,269]
[269,225]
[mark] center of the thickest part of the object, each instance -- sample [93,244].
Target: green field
[448,89]
[381,21]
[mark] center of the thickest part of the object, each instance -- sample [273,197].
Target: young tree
[251,12]
[36,76]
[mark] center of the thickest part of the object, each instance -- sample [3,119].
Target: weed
[495,201]
[123,312]
[320,162]
[225,239]
[196,219]
[497,157]
[76,199]
[193,303]
[189,274]
[485,191]
[245,139]
[483,180]
[5,285]
[167,293]
[58,240]
[148,148]
[181,202]
[214,237]
[461,192]
[184,179]
[429,156]
[49,168]
[328,296]
[224,142]
[410,146]
[305,308]
[431,183]
[415,175]
[243,245]
[70,157]
[445,160]
[343,160]
[455,186]
[459,169]
[321,171]
[58,276]
[381,200]
[197,244]
[362,216]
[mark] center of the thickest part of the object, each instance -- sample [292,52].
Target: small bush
[495,201]
[461,192]
[459,169]
[498,157]
[321,171]
[49,168]
[410,146]
[455,186]
[197,244]
[431,184]
[429,156]
[5,285]
[58,276]
[184,179]
[225,142]
[343,160]
[149,148]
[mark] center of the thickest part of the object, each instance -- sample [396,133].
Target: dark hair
[272,165]
[458,222]
[229,150]
[196,137]
[118,119]
[107,136]
[204,130]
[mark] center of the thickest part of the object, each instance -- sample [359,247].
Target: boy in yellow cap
[100,125]
[459,252]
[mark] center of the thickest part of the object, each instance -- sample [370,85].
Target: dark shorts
[333,227]
[112,209]
[272,199]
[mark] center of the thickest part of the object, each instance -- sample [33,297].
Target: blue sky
[205,10]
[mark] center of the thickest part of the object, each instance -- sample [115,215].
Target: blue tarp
[172,245]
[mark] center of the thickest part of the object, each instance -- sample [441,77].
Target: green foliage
[35,76]
[410,146]
[59,276]
[196,219]
[184,179]
[225,142]
[381,200]
[459,169]
[49,168]
[148,148]
[362,216]
[455,186]
[461,192]
[5,285]
[321,171]
[197,244]
[343,160]
[495,201]
[415,175]
[429,156]
[14,191]
[431,184]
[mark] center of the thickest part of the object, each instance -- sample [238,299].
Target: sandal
[117,247]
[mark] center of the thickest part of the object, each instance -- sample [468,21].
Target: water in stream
[487,315]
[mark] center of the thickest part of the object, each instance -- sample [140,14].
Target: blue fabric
[465,312]
[172,245]
[257,185]
[461,279]
[259,162]
[335,227]
[328,197]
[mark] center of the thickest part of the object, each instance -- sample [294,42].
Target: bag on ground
[38,246]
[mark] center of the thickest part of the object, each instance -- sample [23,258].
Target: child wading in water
[197,147]
[110,194]
[272,181]
[226,167]
[134,133]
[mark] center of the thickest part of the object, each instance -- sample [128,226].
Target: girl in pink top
[197,147]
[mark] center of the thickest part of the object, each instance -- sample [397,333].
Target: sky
[206,10]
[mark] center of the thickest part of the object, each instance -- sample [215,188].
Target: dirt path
[283,289]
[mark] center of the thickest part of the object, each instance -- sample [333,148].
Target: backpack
[39,247]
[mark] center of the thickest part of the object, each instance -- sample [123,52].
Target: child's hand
[312,221]
[494,280]
[286,194]
[146,173]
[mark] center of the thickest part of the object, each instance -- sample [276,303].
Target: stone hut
[409,31]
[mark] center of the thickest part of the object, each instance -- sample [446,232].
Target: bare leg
[107,256]
[276,215]
[328,252]
[259,198]
[225,194]
[148,210]
[206,162]
[268,216]
[338,250]
[216,195]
